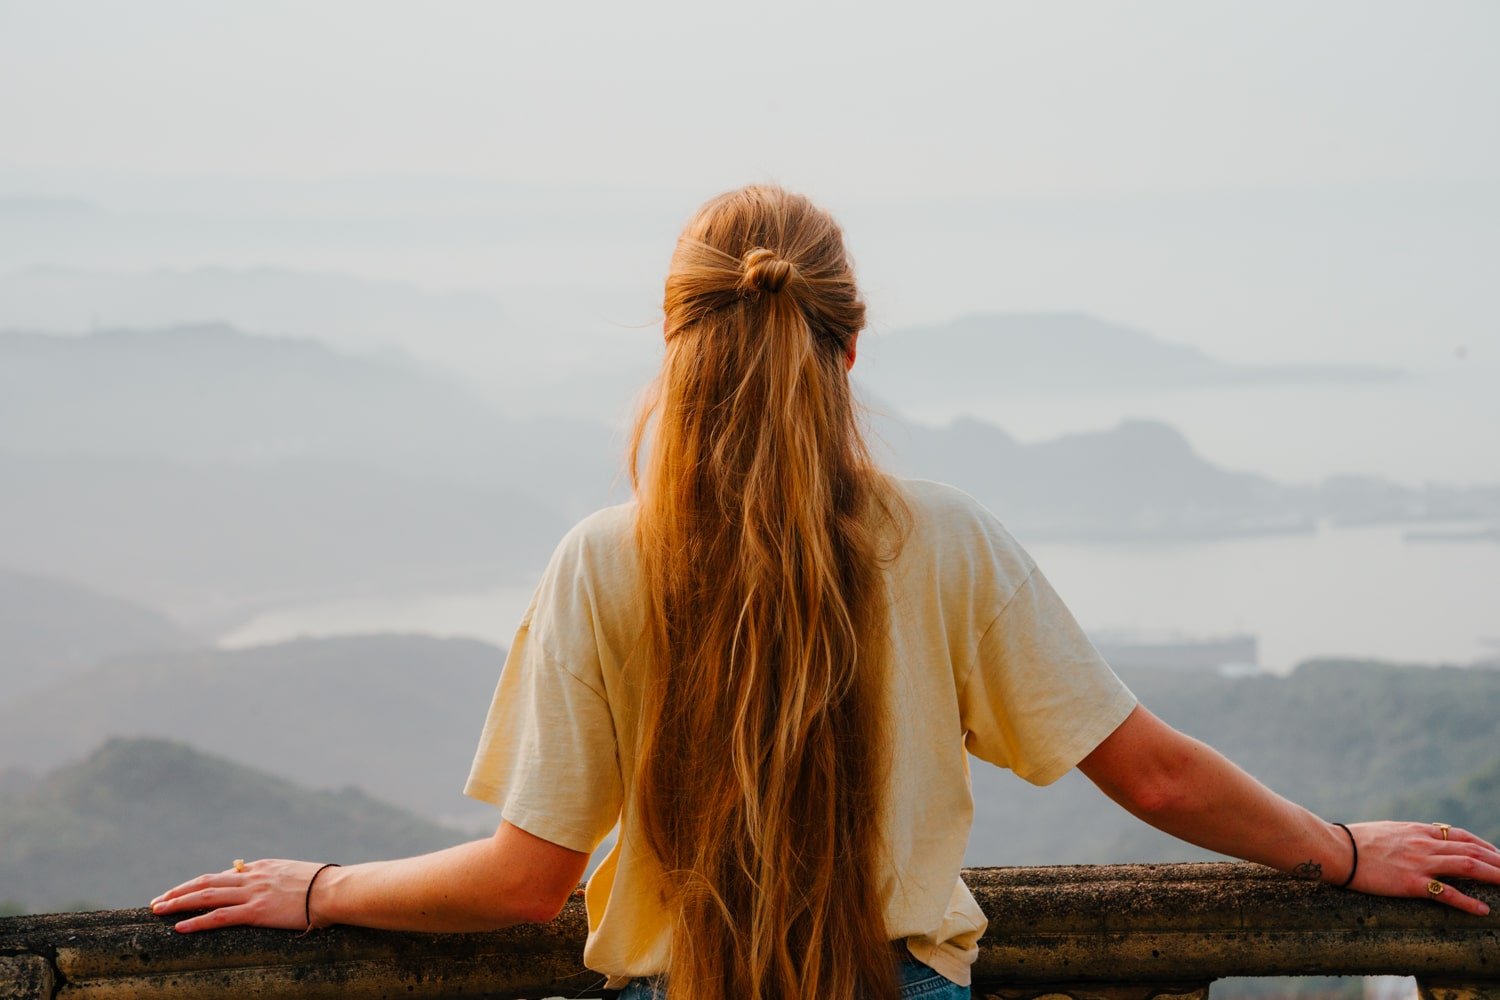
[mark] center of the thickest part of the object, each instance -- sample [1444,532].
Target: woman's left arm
[510,878]
[1189,790]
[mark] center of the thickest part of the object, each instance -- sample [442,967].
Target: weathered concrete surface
[23,977]
[1125,932]
[1165,923]
[136,954]
[1439,990]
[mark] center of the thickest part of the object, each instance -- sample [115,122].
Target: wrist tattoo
[1311,871]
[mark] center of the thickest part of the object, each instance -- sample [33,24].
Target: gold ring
[1443,828]
[1435,887]
[239,864]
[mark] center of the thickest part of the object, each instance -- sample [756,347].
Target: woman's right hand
[1410,859]
[270,893]
[513,877]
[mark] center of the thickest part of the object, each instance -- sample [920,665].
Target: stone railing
[1121,932]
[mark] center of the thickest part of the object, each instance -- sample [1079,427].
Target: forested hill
[1346,735]
[1473,803]
[397,715]
[138,816]
[50,629]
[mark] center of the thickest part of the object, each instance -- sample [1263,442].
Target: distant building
[1390,988]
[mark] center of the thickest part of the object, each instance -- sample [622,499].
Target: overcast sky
[1259,178]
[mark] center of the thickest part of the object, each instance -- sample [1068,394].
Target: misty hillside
[212,541]
[396,715]
[136,817]
[210,392]
[1139,479]
[547,352]
[14,780]
[51,628]
[340,309]
[1347,739]
[976,357]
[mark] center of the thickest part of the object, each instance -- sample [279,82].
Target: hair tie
[1354,866]
[764,271]
[307,899]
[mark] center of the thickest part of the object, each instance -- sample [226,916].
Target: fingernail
[1484,909]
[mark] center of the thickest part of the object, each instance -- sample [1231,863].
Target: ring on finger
[1443,828]
[239,865]
[1435,887]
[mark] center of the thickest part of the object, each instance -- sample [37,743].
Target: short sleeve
[547,756]
[1039,697]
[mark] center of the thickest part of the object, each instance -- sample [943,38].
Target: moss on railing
[1119,931]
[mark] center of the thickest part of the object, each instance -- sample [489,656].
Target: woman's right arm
[510,878]
[1185,788]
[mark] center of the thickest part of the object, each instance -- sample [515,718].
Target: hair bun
[765,272]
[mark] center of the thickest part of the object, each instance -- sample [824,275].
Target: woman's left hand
[1416,859]
[269,893]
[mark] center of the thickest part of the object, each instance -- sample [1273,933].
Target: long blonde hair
[761,519]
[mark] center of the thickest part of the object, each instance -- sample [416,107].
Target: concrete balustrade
[1114,932]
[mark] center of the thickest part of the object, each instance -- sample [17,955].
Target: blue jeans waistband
[917,980]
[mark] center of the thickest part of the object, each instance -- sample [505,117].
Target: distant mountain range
[1142,480]
[564,359]
[976,357]
[213,474]
[137,817]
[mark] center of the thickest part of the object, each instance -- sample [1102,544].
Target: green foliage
[1342,736]
[1474,804]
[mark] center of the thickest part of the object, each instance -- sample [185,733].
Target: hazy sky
[1269,180]
[1076,97]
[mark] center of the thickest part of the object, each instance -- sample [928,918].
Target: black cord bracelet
[1355,847]
[307,900]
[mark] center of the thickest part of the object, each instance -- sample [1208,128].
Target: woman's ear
[849,354]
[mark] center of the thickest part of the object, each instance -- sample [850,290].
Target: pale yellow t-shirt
[984,659]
